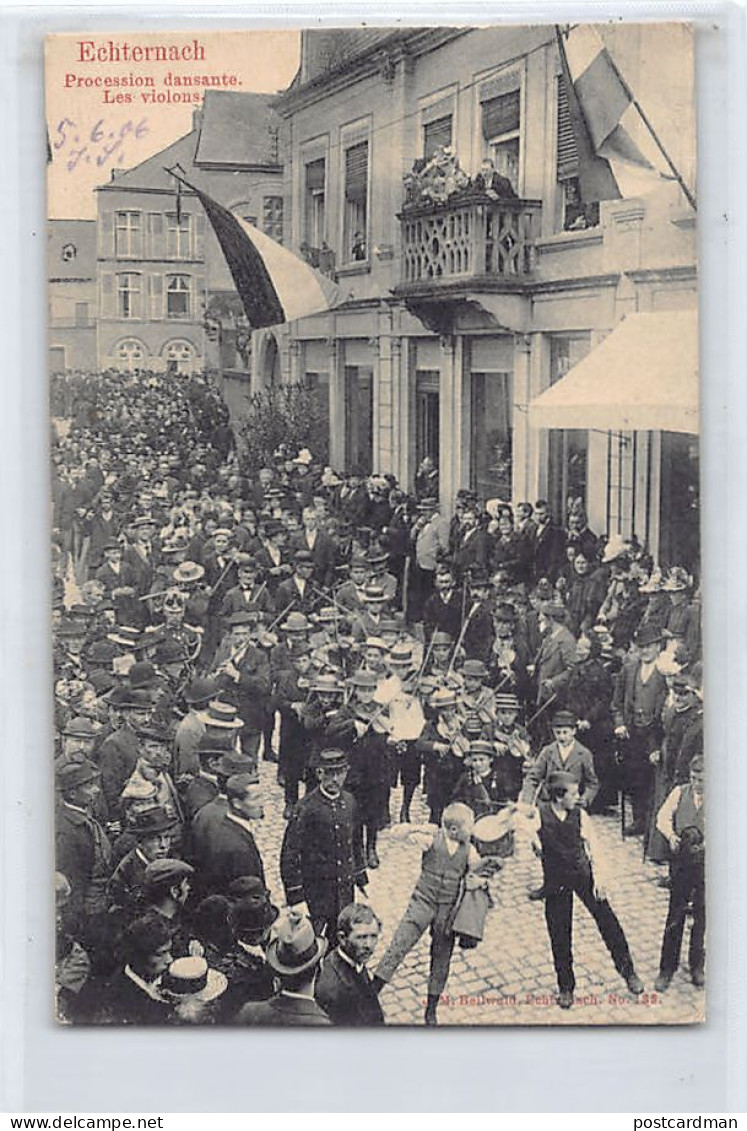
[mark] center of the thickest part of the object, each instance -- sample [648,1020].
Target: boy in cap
[571,864]
[153,830]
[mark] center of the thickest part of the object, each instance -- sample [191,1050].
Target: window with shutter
[355,218]
[436,133]
[500,123]
[501,115]
[108,305]
[156,296]
[156,235]
[314,203]
[567,153]
[106,234]
[199,231]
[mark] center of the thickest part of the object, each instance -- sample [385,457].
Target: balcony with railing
[471,241]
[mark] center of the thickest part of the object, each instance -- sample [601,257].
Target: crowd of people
[499,666]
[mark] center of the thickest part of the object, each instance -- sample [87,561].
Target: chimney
[117,173]
[197,118]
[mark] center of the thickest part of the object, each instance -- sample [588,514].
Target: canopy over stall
[643,376]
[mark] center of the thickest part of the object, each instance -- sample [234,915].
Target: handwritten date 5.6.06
[97,145]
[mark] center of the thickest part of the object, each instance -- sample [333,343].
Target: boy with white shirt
[571,864]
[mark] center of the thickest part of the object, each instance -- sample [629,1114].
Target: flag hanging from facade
[617,153]
[274,285]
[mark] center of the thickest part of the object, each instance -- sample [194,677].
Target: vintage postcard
[377,653]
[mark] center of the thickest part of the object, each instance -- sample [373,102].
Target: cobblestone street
[509,978]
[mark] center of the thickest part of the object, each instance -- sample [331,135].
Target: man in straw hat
[294,956]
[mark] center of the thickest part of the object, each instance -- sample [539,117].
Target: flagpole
[680,179]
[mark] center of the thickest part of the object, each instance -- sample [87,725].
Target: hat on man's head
[188,572]
[364,679]
[505,701]
[480,748]
[296,948]
[73,774]
[472,725]
[150,822]
[232,763]
[111,544]
[331,759]
[428,504]
[127,698]
[222,716]
[443,697]
[70,627]
[441,638]
[124,635]
[241,617]
[303,557]
[376,556]
[374,595]
[564,719]
[328,684]
[169,651]
[191,979]
[474,669]
[142,675]
[200,690]
[82,727]
[648,634]
[400,654]
[296,622]
[253,912]
[168,870]
[560,779]
[555,610]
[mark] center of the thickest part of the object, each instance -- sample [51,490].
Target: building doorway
[491,407]
[679,529]
[359,419]
[427,416]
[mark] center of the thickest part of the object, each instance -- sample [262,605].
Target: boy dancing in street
[571,865]
[450,862]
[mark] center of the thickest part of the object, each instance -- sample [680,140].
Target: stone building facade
[457,317]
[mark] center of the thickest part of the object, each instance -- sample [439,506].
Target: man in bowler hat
[294,956]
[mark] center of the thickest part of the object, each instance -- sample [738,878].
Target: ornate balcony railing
[472,236]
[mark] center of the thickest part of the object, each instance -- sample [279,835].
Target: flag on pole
[619,156]
[274,285]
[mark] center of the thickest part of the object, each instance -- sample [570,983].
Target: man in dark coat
[294,955]
[343,988]
[133,995]
[443,610]
[320,545]
[321,860]
[548,545]
[640,694]
[83,852]
[225,849]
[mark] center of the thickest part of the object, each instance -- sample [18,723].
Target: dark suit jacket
[287,592]
[549,552]
[324,555]
[623,699]
[556,659]
[345,995]
[124,1003]
[579,763]
[472,550]
[225,851]
[235,601]
[283,1010]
